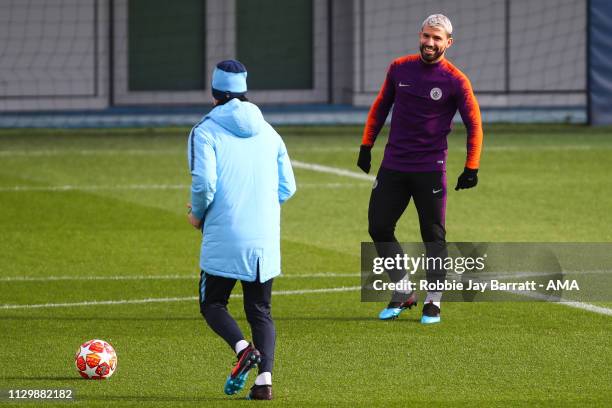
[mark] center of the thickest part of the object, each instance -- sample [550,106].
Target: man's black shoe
[260,392]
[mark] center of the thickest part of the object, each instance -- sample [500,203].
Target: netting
[526,60]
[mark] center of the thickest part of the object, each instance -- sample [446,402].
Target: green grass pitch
[110,204]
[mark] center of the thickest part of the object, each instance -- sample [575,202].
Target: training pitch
[95,244]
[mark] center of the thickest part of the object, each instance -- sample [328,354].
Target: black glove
[467,179]
[365,158]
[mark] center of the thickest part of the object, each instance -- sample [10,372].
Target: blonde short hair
[439,20]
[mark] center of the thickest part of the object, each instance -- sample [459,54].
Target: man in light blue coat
[241,174]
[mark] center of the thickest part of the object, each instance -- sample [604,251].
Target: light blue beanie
[229,79]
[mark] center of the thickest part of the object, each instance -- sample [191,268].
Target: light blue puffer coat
[241,174]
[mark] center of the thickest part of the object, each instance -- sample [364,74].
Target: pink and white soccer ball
[96,359]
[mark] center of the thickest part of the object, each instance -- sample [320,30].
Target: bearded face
[431,53]
[433,42]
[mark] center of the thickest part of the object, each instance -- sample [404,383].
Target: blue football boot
[393,309]
[247,359]
[431,314]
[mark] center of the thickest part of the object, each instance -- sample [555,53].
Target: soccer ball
[96,359]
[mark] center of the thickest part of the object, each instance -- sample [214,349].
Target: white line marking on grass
[551,148]
[321,275]
[93,278]
[578,305]
[513,275]
[540,296]
[90,152]
[322,149]
[322,169]
[588,307]
[565,302]
[545,148]
[150,187]
[95,188]
[332,185]
[291,275]
[331,170]
[97,303]
[170,299]
[155,277]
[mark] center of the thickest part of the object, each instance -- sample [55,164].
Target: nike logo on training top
[436,191]
[400,84]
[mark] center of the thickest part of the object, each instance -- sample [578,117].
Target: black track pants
[391,194]
[214,296]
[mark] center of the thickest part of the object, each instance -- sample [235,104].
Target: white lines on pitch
[503,276]
[128,187]
[331,170]
[334,185]
[89,152]
[317,168]
[588,307]
[170,299]
[565,302]
[543,297]
[547,148]
[304,149]
[69,187]
[155,277]
[578,305]
[513,275]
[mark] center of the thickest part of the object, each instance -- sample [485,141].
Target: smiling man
[426,91]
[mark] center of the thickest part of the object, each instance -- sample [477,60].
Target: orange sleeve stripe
[373,123]
[470,114]
[475,133]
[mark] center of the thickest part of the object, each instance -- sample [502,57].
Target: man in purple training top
[426,91]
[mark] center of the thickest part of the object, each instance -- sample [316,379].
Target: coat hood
[242,119]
